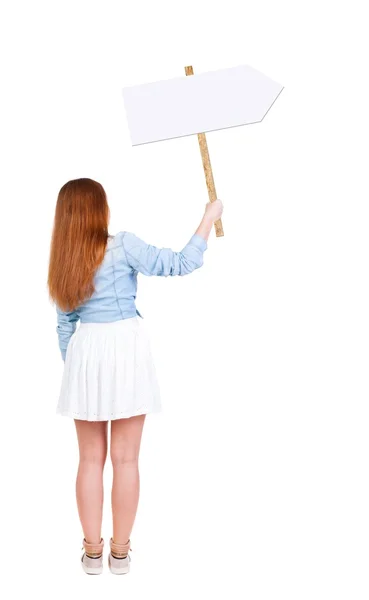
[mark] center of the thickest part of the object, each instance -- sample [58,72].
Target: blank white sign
[198,103]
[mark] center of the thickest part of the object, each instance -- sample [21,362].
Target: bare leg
[125,447]
[92,442]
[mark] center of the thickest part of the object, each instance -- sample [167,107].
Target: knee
[93,457]
[123,457]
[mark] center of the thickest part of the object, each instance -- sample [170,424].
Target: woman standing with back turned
[108,373]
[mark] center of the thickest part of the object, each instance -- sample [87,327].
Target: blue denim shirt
[116,280]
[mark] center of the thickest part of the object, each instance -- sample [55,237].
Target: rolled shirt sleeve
[67,323]
[150,260]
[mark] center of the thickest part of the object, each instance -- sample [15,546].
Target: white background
[255,476]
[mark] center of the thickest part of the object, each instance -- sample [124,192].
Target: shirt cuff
[199,242]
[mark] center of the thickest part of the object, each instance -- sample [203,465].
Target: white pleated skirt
[109,372]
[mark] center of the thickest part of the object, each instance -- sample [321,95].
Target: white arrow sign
[194,105]
[206,102]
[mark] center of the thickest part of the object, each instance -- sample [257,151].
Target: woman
[108,372]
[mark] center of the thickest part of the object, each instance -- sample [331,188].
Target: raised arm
[67,322]
[150,260]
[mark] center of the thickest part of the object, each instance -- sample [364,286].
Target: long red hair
[78,242]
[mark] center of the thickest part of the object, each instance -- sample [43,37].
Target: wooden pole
[207,170]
